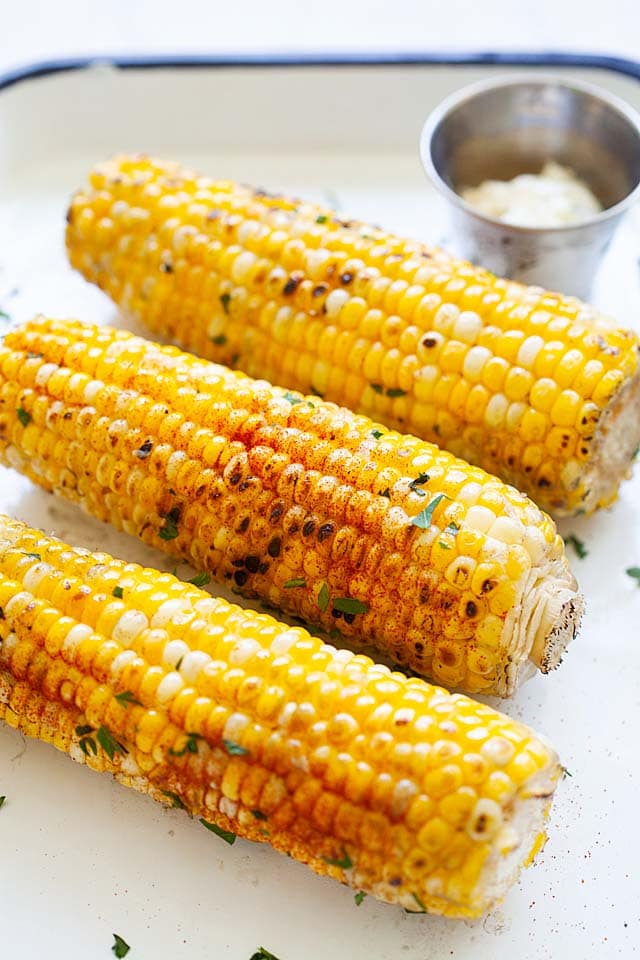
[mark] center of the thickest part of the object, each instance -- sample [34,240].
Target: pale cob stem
[298,502]
[517,380]
[425,798]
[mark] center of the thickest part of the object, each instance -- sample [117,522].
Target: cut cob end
[616,441]
[561,612]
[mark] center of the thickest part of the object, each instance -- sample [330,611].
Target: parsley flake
[5,316]
[118,592]
[296,582]
[36,556]
[23,416]
[321,218]
[200,580]
[126,697]
[109,743]
[219,340]
[120,947]
[377,388]
[396,392]
[225,835]
[350,605]
[169,531]
[385,493]
[452,528]
[423,519]
[259,815]
[87,743]
[578,545]
[262,954]
[634,573]
[175,799]
[344,862]
[234,749]
[443,545]
[566,772]
[2,800]
[418,482]
[291,397]
[419,902]
[191,743]
[359,897]
[225,300]
[376,434]
[323,597]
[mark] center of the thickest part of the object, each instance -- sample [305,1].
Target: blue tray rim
[44,68]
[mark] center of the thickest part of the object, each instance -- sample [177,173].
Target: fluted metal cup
[511,125]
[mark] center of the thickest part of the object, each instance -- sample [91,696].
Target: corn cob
[316,510]
[417,796]
[537,388]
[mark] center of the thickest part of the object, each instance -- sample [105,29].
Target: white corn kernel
[474,363]
[480,518]
[192,664]
[170,685]
[129,626]
[467,327]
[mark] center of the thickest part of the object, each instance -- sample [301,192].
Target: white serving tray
[82,857]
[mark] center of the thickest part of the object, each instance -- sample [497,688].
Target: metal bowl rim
[541,79]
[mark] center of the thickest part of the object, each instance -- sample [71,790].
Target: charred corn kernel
[271,285]
[361,773]
[319,511]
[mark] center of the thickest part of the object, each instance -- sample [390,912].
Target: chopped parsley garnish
[191,743]
[377,388]
[321,218]
[23,416]
[2,800]
[179,663]
[296,582]
[4,316]
[169,531]
[349,605]
[323,597]
[419,902]
[126,697]
[225,300]
[291,397]
[634,573]
[578,545]
[423,519]
[87,743]
[109,743]
[36,556]
[262,954]
[118,592]
[259,815]
[120,947]
[344,862]
[225,835]
[234,749]
[418,482]
[452,528]
[34,356]
[175,799]
[359,897]
[566,772]
[144,450]
[219,340]
[200,580]
[445,546]
[376,434]
[385,493]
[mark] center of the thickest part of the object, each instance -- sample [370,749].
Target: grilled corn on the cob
[318,511]
[532,386]
[417,796]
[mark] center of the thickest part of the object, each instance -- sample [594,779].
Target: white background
[68,877]
[36,29]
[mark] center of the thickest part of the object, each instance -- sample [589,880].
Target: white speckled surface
[81,857]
